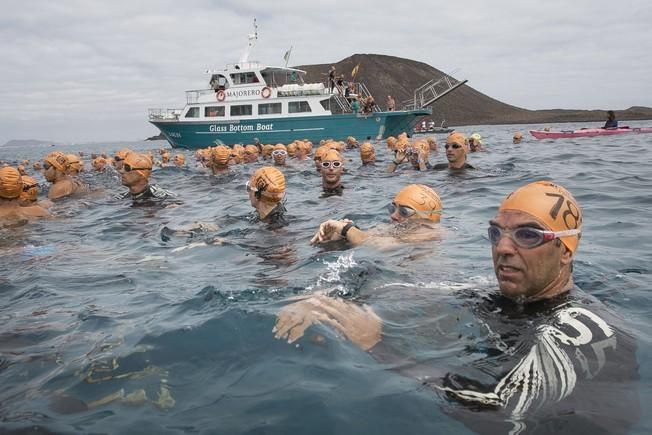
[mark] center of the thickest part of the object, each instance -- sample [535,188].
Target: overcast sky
[80,71]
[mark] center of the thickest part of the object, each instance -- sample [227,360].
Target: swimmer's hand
[399,156]
[329,231]
[357,323]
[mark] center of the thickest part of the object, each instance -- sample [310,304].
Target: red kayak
[587,132]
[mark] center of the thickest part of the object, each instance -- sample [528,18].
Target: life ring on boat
[266,92]
[220,95]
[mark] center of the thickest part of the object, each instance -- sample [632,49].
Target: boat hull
[194,135]
[587,132]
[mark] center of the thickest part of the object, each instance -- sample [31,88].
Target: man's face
[279,158]
[473,145]
[131,178]
[455,153]
[331,173]
[250,156]
[49,172]
[523,272]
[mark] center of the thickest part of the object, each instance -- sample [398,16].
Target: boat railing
[193,96]
[432,91]
[296,90]
[164,114]
[251,64]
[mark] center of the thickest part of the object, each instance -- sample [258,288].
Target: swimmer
[21,170]
[550,347]
[351,142]
[11,207]
[517,138]
[250,154]
[332,167]
[266,152]
[37,166]
[179,160]
[119,157]
[475,143]
[99,164]
[455,153]
[76,165]
[266,189]
[279,156]
[219,160]
[432,144]
[319,155]
[414,212]
[367,154]
[136,170]
[56,168]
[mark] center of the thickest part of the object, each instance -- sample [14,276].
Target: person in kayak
[611,120]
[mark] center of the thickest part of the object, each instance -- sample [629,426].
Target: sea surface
[110,322]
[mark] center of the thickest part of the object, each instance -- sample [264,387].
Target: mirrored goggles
[328,164]
[128,168]
[454,146]
[527,237]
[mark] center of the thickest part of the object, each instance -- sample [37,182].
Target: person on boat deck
[475,143]
[367,154]
[517,138]
[219,160]
[455,153]
[332,167]
[340,84]
[11,207]
[266,189]
[391,104]
[414,213]
[56,168]
[136,170]
[279,155]
[331,78]
[368,105]
[556,360]
[611,120]
[76,165]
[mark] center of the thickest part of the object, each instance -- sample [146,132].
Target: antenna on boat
[251,38]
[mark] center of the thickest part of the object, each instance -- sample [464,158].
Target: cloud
[89,70]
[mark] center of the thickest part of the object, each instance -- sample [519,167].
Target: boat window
[213,111]
[298,107]
[193,112]
[219,82]
[244,78]
[241,110]
[268,109]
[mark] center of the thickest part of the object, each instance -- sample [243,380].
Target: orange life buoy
[266,92]
[221,95]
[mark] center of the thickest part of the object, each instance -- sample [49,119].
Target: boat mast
[251,38]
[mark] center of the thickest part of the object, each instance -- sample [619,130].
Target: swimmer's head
[267,151]
[250,153]
[99,163]
[37,166]
[179,160]
[75,164]
[391,143]
[432,143]
[549,204]
[30,190]
[416,201]
[220,155]
[292,149]
[11,183]
[351,142]
[57,160]
[138,163]
[267,184]
[21,170]
[518,137]
[367,153]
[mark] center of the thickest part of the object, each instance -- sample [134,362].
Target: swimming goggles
[128,168]
[279,153]
[405,212]
[455,145]
[328,164]
[527,237]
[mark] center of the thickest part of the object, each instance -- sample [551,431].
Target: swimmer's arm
[399,157]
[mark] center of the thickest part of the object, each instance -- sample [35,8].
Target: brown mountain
[389,75]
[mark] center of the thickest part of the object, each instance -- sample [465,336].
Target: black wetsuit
[442,166]
[336,191]
[276,218]
[151,193]
[558,366]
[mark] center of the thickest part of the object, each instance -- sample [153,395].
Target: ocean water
[100,302]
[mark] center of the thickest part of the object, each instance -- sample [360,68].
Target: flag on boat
[286,56]
[355,71]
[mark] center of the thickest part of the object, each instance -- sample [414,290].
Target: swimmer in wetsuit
[555,359]
[414,212]
[456,150]
[367,154]
[332,167]
[12,209]
[56,167]
[266,189]
[135,173]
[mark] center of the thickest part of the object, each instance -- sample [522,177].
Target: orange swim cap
[422,199]
[220,155]
[518,135]
[457,138]
[280,146]
[267,150]
[30,189]
[268,183]
[292,149]
[140,163]
[391,143]
[331,156]
[74,162]
[11,183]
[58,160]
[550,204]
[366,150]
[321,152]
